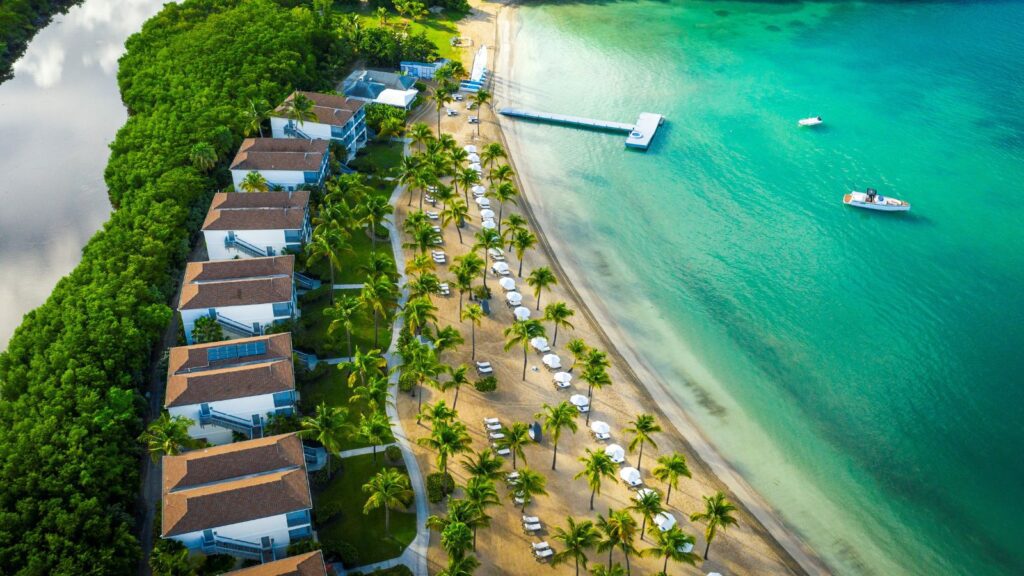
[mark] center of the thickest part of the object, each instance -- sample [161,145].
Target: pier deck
[639,135]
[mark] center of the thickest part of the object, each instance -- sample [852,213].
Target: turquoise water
[863,371]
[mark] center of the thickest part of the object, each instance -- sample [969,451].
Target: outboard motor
[871,194]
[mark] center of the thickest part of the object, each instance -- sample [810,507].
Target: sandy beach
[759,544]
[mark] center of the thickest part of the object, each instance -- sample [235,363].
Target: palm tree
[540,279]
[254,182]
[479,99]
[618,531]
[558,418]
[464,566]
[167,436]
[377,292]
[642,428]
[516,436]
[671,545]
[596,467]
[417,312]
[474,313]
[514,223]
[506,192]
[467,178]
[456,539]
[374,394]
[481,494]
[717,515]
[529,485]
[558,313]
[596,378]
[389,127]
[487,239]
[410,171]
[501,174]
[447,439]
[203,156]
[423,367]
[577,539]
[364,365]
[442,96]
[520,333]
[648,505]
[377,264]
[490,154]
[456,212]
[447,338]
[578,348]
[669,469]
[342,314]
[375,430]
[420,134]
[374,211]
[326,244]
[444,194]
[613,570]
[437,412]
[388,489]
[382,16]
[300,108]
[253,118]
[487,465]
[522,240]
[329,426]
[458,377]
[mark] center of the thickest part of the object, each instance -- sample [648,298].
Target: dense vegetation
[19,22]
[70,405]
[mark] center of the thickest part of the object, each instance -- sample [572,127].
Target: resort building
[249,499]
[381,88]
[244,296]
[242,225]
[231,387]
[285,163]
[309,564]
[339,119]
[421,70]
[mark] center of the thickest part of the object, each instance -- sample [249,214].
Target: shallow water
[861,370]
[57,116]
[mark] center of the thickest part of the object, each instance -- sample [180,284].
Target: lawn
[439,28]
[365,532]
[379,158]
[310,334]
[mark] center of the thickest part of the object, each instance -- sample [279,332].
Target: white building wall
[216,250]
[275,527]
[247,315]
[314,130]
[319,131]
[285,179]
[241,407]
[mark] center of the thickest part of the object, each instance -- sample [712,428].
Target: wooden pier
[639,135]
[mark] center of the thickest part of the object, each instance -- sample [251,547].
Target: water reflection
[57,115]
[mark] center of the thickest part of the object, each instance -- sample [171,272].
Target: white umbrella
[630,475]
[483,202]
[514,298]
[664,521]
[500,268]
[581,400]
[643,492]
[473,158]
[522,313]
[687,548]
[488,224]
[487,213]
[600,427]
[539,342]
[476,166]
[563,377]
[552,361]
[615,452]
[470,148]
[507,283]
[478,190]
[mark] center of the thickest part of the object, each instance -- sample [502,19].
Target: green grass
[439,28]
[379,158]
[364,531]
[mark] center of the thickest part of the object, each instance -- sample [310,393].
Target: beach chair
[501,451]
[583,409]
[433,215]
[492,427]
[490,421]
[540,545]
[496,436]
[531,527]
[512,477]
[530,519]
[437,229]
[543,555]
[484,368]
[602,437]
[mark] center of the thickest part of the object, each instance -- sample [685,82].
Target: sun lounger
[437,229]
[537,546]
[433,215]
[602,436]
[502,451]
[493,427]
[512,477]
[543,555]
[531,520]
[583,409]
[635,483]
[484,367]
[562,385]
[531,527]
[491,421]
[496,435]
[519,501]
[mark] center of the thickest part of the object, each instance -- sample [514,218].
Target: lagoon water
[862,370]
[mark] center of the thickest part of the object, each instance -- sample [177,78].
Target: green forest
[71,381]
[19,22]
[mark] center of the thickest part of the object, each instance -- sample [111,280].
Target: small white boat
[812,121]
[872,200]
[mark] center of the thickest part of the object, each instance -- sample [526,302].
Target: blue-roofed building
[381,88]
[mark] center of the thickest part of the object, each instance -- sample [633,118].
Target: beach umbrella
[614,451]
[487,213]
[713,573]
[687,548]
[483,202]
[579,400]
[488,224]
[478,190]
[514,298]
[643,492]
[664,521]
[473,158]
[630,475]
[500,268]
[540,343]
[507,284]
[470,148]
[476,166]
[600,427]
[522,313]
[563,377]
[552,361]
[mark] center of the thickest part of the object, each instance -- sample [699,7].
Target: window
[286,398]
[311,177]
[282,309]
[293,235]
[338,131]
[300,533]
[232,351]
[297,518]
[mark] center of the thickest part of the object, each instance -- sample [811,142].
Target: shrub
[439,485]
[303,546]
[217,564]
[329,509]
[486,384]
[399,570]
[393,453]
[341,551]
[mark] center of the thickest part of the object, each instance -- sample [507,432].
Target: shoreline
[799,557]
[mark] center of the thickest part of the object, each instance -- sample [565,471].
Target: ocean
[863,371]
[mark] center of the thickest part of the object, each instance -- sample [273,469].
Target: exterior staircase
[252,428]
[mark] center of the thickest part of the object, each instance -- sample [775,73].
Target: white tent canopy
[580,400]
[507,283]
[600,427]
[514,298]
[522,313]
[563,377]
[630,475]
[552,361]
[615,452]
[664,521]
[397,98]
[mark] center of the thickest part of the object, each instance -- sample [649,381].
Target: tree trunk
[706,548]
[629,570]
[640,456]
[459,230]
[610,550]
[520,274]
[487,262]
[525,358]
[554,340]
[643,527]
[538,298]
[664,568]
[473,338]
[387,520]
[348,333]
[501,208]
[374,455]
[592,494]
[668,493]
[455,402]
[419,403]
[554,455]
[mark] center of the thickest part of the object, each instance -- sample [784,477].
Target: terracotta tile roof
[280,154]
[234,483]
[328,108]
[196,357]
[232,382]
[309,564]
[237,282]
[257,211]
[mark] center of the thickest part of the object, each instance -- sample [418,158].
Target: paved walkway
[364,451]
[348,286]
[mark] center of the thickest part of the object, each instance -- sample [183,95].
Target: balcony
[262,550]
[236,327]
[252,428]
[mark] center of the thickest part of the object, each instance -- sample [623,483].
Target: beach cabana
[514,298]
[631,476]
[552,361]
[602,431]
[540,344]
[614,451]
[664,521]
[507,284]
[522,313]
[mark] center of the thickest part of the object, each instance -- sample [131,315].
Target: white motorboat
[812,121]
[872,200]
